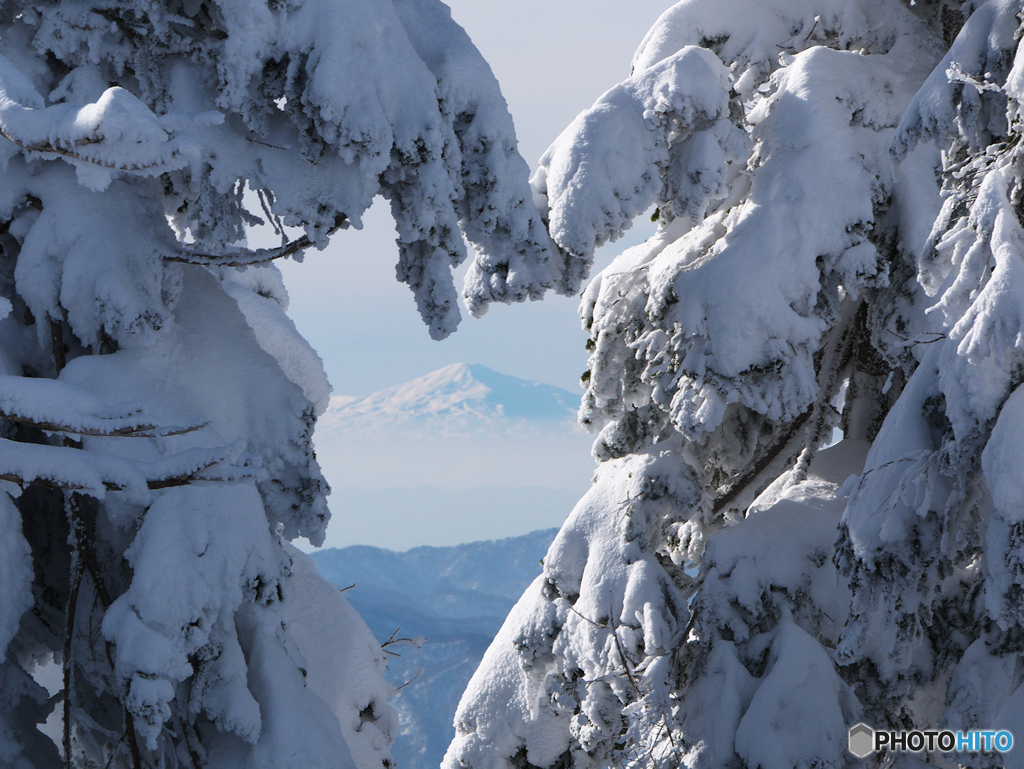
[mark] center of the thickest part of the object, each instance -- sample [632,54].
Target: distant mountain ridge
[422,570]
[459,394]
[457,597]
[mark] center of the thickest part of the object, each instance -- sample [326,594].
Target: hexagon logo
[862,740]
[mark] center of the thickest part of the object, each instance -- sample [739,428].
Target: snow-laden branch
[662,137]
[117,132]
[72,149]
[61,407]
[141,430]
[95,474]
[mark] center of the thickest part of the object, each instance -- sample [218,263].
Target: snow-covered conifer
[839,187]
[156,401]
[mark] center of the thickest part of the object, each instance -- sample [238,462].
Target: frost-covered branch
[117,132]
[75,151]
[129,133]
[60,407]
[77,530]
[50,483]
[725,352]
[141,430]
[58,467]
[244,257]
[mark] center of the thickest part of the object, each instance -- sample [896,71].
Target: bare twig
[813,27]
[264,204]
[418,674]
[136,431]
[57,344]
[88,556]
[162,483]
[622,653]
[74,512]
[244,257]
[113,752]
[195,747]
[393,640]
[595,624]
[133,744]
[266,144]
[938,337]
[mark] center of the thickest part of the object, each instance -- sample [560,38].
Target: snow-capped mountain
[462,453]
[456,598]
[462,396]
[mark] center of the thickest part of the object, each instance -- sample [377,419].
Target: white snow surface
[751,341]
[347,672]
[560,632]
[159,400]
[794,212]
[276,334]
[794,711]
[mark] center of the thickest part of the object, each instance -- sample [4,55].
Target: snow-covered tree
[839,186]
[156,401]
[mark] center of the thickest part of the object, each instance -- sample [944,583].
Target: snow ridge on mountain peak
[459,428]
[460,392]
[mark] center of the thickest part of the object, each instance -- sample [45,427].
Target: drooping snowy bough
[840,192]
[157,403]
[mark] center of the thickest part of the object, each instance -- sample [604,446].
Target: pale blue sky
[553,58]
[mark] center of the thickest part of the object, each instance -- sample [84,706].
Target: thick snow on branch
[187,373]
[417,117]
[115,133]
[68,468]
[60,407]
[953,102]
[734,310]
[941,484]
[513,260]
[792,288]
[158,403]
[632,150]
[879,579]
[192,571]
[596,631]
